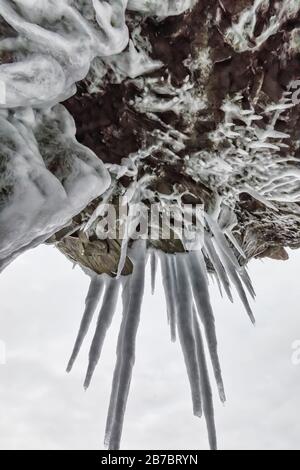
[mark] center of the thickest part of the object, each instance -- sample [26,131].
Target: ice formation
[47,177]
[189,312]
[169,103]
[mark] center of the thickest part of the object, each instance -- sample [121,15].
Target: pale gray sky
[41,407]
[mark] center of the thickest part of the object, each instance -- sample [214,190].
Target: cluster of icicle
[252,150]
[190,315]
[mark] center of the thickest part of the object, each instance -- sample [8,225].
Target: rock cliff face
[189,106]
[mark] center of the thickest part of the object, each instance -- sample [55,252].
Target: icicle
[184,303]
[172,267]
[225,248]
[235,243]
[215,279]
[125,301]
[221,240]
[130,227]
[165,278]
[126,349]
[196,271]
[122,260]
[213,275]
[247,281]
[107,311]
[168,283]
[218,266]
[234,276]
[91,302]
[153,262]
[207,398]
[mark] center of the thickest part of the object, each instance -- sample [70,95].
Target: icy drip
[126,348]
[198,280]
[169,283]
[208,407]
[104,321]
[185,325]
[153,259]
[190,336]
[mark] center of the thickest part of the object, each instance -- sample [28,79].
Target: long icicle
[106,314]
[247,281]
[153,263]
[207,397]
[214,276]
[91,302]
[172,268]
[168,280]
[218,266]
[114,389]
[126,350]
[186,333]
[233,274]
[221,240]
[225,249]
[197,276]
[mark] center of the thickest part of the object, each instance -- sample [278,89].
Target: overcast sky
[42,407]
